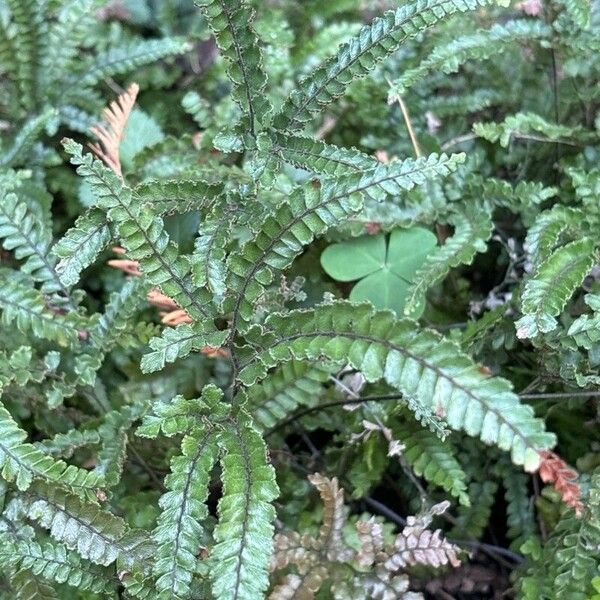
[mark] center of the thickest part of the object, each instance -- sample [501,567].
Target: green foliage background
[136,461]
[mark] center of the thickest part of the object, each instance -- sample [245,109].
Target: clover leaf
[384,271]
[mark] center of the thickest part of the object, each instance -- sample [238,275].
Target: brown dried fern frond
[110,131]
[334,515]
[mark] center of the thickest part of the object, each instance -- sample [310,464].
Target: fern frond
[110,132]
[318,157]
[519,508]
[419,363]
[304,216]
[578,10]
[178,196]
[119,60]
[23,304]
[472,227]
[553,283]
[497,192]
[54,562]
[243,535]
[25,138]
[231,22]
[481,45]
[432,459]
[65,444]
[95,534]
[29,239]
[180,415]
[292,385]
[396,177]
[585,330]
[22,462]
[178,342]
[74,20]
[29,587]
[530,126]
[142,233]
[472,520]
[417,545]
[118,312]
[209,256]
[546,232]
[179,531]
[81,245]
[578,556]
[361,54]
[29,21]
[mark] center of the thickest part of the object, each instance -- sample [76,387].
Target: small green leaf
[351,260]
[385,273]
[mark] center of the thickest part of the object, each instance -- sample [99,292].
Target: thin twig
[384,398]
[545,395]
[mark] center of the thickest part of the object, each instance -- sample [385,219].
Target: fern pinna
[267,356]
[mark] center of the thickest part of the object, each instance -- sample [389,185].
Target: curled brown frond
[417,545]
[370,534]
[110,131]
[553,469]
[175,317]
[334,517]
[129,267]
[300,587]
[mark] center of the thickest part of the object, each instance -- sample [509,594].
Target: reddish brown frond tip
[553,469]
[110,131]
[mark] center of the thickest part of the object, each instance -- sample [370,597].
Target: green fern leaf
[118,313]
[292,385]
[361,54]
[81,245]
[30,24]
[177,343]
[243,535]
[547,230]
[29,587]
[55,563]
[530,126]
[553,283]
[519,509]
[578,554]
[473,228]
[318,157]
[25,138]
[179,531]
[209,256]
[119,60]
[231,23]
[178,196]
[472,520]
[419,363]
[25,235]
[74,21]
[585,330]
[432,459]
[23,462]
[95,534]
[142,233]
[23,304]
[481,45]
[65,444]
